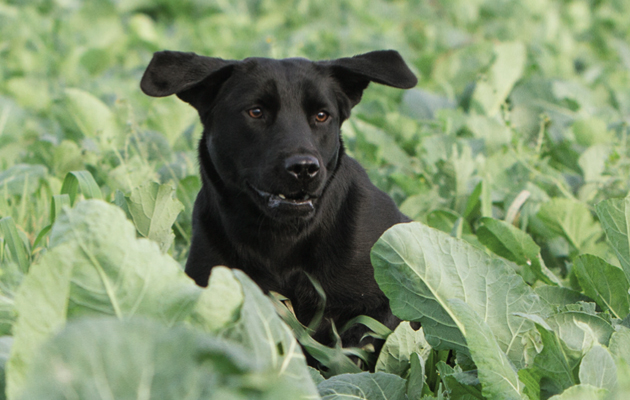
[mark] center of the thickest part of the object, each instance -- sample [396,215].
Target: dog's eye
[255,112]
[321,116]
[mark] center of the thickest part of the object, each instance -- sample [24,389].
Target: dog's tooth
[282,196]
[307,197]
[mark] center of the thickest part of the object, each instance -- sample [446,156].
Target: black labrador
[279,196]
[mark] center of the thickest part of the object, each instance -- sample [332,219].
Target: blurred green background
[513,96]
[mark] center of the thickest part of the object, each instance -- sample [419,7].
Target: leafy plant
[511,153]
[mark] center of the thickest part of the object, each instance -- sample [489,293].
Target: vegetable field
[512,154]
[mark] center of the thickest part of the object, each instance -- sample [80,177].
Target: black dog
[279,196]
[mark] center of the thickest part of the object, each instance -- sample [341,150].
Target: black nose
[302,167]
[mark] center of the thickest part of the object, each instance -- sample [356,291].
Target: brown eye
[255,113]
[321,116]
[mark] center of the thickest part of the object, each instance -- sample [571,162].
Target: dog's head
[272,127]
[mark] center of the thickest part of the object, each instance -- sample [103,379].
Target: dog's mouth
[300,201]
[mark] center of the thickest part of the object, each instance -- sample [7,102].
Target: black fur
[247,161]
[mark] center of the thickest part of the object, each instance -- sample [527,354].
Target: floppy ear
[194,79]
[384,66]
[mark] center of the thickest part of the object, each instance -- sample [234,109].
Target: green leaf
[171,117]
[507,241]
[415,381]
[154,209]
[620,343]
[382,144]
[556,363]
[90,115]
[41,304]
[269,341]
[95,266]
[614,215]
[21,179]
[568,326]
[220,303]
[604,283]
[316,376]
[572,220]
[14,242]
[115,273]
[459,384]
[82,181]
[492,131]
[506,69]
[623,379]
[515,245]
[591,131]
[557,296]
[333,358]
[421,269]
[531,380]
[377,329]
[364,386]
[142,359]
[5,347]
[497,375]
[59,201]
[582,392]
[593,162]
[398,348]
[598,368]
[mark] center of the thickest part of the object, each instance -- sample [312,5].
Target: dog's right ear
[193,78]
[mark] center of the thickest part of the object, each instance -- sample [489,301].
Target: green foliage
[513,146]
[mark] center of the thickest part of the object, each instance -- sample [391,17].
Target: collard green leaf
[590,131]
[41,304]
[506,69]
[492,131]
[459,384]
[21,179]
[142,359]
[593,161]
[10,279]
[420,269]
[398,348]
[614,215]
[269,341]
[556,363]
[557,296]
[497,375]
[5,347]
[515,245]
[220,303]
[119,274]
[316,376]
[364,386]
[90,115]
[582,392]
[620,343]
[415,381]
[95,266]
[154,209]
[598,369]
[568,326]
[623,380]
[604,283]
[571,220]
[531,380]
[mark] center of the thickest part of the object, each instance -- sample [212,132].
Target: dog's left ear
[384,66]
